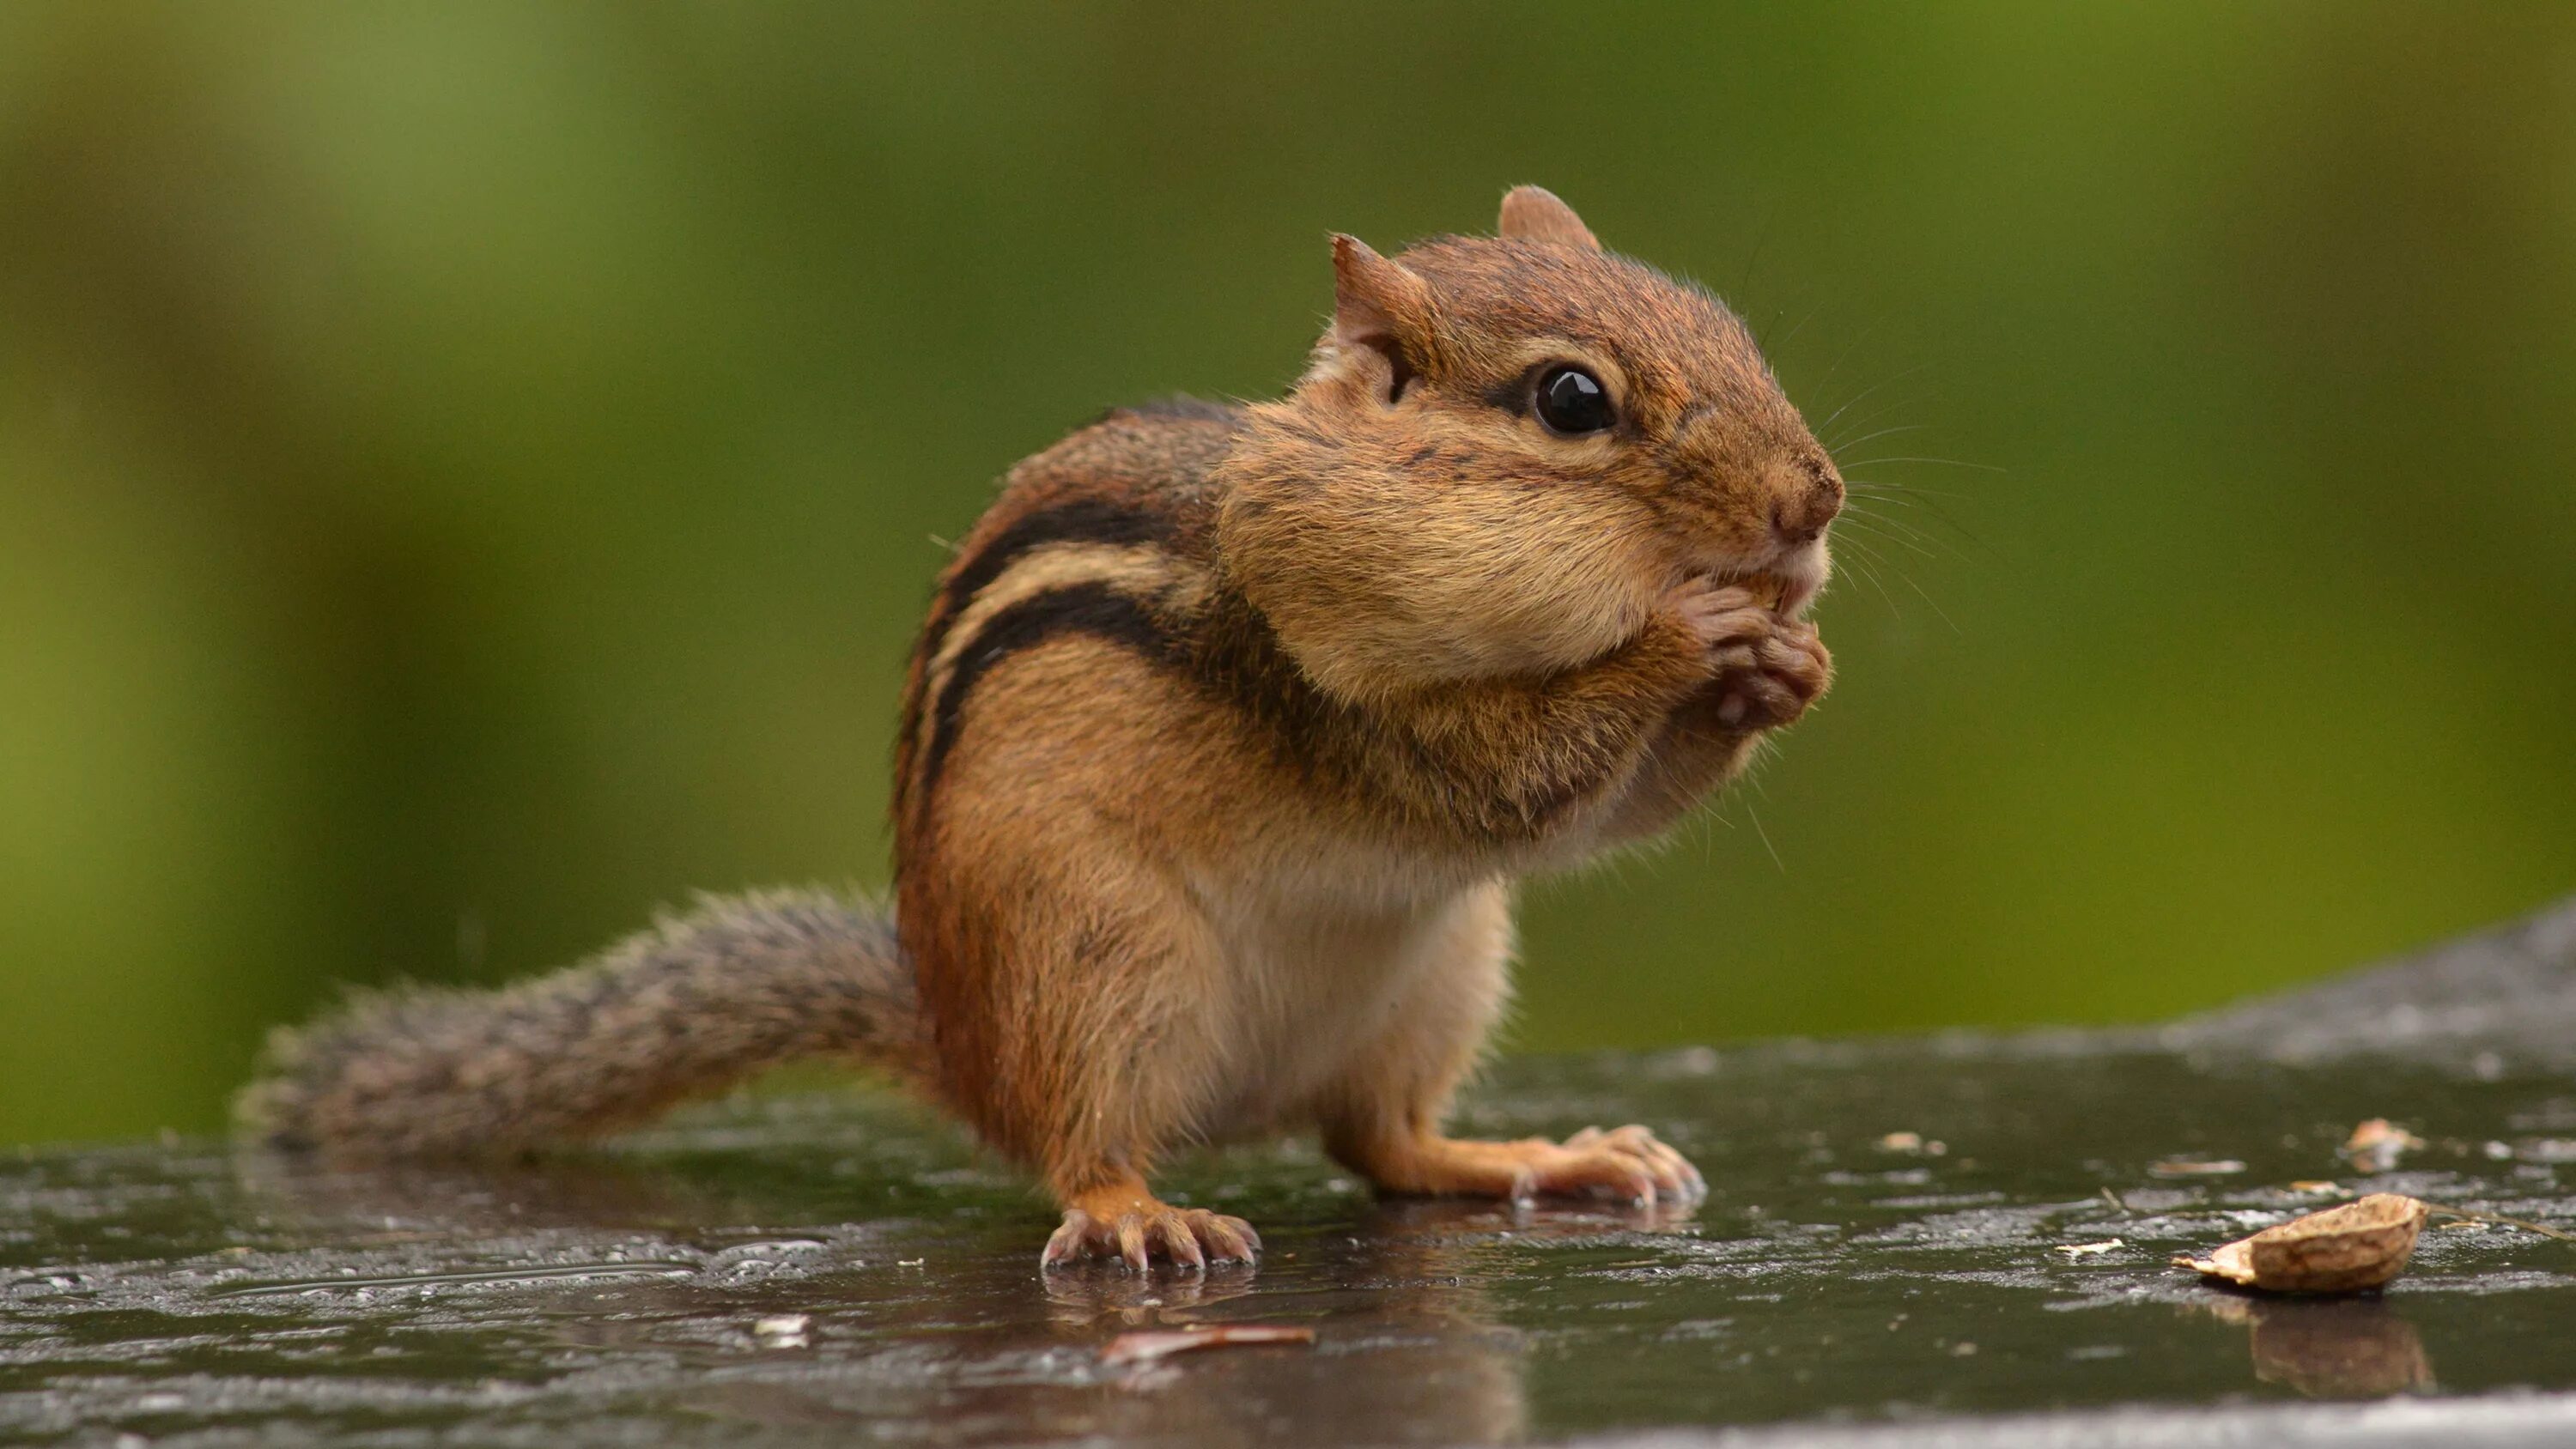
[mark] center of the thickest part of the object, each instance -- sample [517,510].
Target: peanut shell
[2348,1249]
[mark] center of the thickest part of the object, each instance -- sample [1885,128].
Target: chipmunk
[1227,736]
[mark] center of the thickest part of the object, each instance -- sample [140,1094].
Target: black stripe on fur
[1092,610]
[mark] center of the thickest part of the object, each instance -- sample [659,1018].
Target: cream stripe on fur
[1138,570]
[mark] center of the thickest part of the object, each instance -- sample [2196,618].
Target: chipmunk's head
[1505,450]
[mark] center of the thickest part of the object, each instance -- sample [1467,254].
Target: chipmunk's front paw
[1764,667]
[1768,684]
[1138,1231]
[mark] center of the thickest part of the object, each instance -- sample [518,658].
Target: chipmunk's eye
[1572,401]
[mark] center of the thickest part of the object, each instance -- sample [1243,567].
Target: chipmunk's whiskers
[1924,501]
[1941,462]
[1898,530]
[1868,392]
[1863,527]
[1886,432]
[1865,561]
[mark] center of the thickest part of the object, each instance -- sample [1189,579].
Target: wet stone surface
[840,1269]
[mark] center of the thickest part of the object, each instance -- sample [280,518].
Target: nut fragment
[1767,589]
[2341,1250]
[2376,1145]
[2195,1167]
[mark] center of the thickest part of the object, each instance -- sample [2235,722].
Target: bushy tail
[692,1006]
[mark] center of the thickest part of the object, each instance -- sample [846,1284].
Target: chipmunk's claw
[1675,1181]
[1190,1239]
[1629,1163]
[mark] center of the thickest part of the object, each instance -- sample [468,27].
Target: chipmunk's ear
[1533,213]
[1382,314]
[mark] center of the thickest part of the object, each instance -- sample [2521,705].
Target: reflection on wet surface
[2356,1348]
[1840,1270]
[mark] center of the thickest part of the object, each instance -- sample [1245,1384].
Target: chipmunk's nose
[1809,494]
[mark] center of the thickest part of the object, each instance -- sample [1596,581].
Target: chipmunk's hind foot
[1676,1182]
[1138,1230]
[1625,1162]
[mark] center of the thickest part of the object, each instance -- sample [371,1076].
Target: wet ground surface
[840,1269]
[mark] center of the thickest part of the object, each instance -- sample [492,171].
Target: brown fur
[691,1006]
[1226,735]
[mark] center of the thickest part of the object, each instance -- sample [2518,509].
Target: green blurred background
[469,472]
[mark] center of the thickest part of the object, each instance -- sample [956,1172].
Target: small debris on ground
[785,1330]
[2376,1145]
[2196,1167]
[2087,1250]
[1913,1142]
[2492,1220]
[2347,1249]
[1153,1344]
[2316,1188]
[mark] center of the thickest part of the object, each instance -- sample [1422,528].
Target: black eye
[1573,401]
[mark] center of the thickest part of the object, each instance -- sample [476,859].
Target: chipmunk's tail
[698,1003]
